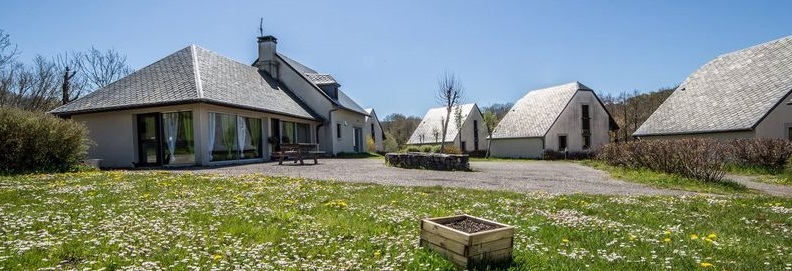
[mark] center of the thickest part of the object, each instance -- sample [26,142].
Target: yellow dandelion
[668,232]
[705,264]
[565,240]
[377,253]
[632,237]
[712,236]
[217,257]
[694,237]
[667,240]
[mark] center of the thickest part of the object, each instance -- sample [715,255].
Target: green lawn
[668,181]
[119,220]
[780,177]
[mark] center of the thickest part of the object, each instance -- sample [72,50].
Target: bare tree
[490,121]
[449,94]
[8,51]
[102,68]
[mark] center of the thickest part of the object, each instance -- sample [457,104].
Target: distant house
[473,136]
[742,94]
[568,117]
[196,107]
[373,129]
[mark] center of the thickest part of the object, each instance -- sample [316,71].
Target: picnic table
[298,152]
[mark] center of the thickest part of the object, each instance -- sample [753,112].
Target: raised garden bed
[468,241]
[433,161]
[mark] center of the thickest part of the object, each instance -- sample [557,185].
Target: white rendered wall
[516,147]
[570,123]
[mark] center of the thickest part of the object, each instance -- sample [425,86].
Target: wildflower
[667,240]
[632,237]
[565,240]
[217,257]
[377,253]
[712,236]
[668,232]
[694,237]
[424,194]
[705,264]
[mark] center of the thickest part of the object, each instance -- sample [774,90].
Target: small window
[373,137]
[338,130]
[562,143]
[789,133]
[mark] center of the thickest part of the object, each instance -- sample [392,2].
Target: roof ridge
[196,71]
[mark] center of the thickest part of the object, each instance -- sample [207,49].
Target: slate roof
[193,74]
[734,91]
[433,121]
[535,113]
[317,79]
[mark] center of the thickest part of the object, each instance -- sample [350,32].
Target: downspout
[329,124]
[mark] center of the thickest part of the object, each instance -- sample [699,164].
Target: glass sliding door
[178,141]
[233,137]
[148,136]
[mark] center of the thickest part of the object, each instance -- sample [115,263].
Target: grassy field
[780,177]
[160,221]
[668,181]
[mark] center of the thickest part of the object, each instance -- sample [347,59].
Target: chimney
[266,55]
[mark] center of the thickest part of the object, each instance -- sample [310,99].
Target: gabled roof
[432,122]
[734,91]
[317,79]
[535,113]
[372,114]
[193,74]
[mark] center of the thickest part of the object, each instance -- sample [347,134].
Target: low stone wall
[431,161]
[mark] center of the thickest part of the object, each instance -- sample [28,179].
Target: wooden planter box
[468,249]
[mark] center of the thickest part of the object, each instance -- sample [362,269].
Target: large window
[233,137]
[295,132]
[178,138]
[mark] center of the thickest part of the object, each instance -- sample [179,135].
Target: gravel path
[521,176]
[767,188]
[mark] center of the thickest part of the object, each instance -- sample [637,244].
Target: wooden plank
[457,259]
[493,256]
[491,235]
[487,247]
[444,231]
[445,243]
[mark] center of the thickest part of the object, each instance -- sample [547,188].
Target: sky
[389,54]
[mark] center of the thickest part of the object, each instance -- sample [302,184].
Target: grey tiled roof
[320,79]
[732,92]
[535,113]
[193,74]
[433,121]
[317,79]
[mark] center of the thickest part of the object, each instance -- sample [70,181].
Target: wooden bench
[298,152]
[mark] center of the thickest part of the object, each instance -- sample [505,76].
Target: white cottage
[473,133]
[568,117]
[742,94]
[196,107]
[374,130]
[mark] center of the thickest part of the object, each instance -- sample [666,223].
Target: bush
[769,154]
[451,149]
[412,148]
[694,158]
[427,148]
[549,154]
[36,142]
[371,146]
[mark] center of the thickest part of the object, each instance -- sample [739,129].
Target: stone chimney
[266,55]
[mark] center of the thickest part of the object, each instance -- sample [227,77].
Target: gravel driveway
[520,176]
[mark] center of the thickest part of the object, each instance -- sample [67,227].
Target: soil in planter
[469,226]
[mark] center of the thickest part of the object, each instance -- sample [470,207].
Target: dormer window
[330,89]
[326,83]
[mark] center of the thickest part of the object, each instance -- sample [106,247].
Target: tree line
[47,82]
[630,110]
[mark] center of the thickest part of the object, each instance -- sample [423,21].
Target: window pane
[288,132]
[179,140]
[252,144]
[303,133]
[225,138]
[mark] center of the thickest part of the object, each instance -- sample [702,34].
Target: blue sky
[389,54]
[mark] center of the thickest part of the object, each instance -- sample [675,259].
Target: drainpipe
[330,125]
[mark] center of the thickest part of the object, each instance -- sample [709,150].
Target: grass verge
[151,220]
[779,177]
[669,181]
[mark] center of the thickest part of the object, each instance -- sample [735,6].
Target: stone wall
[431,161]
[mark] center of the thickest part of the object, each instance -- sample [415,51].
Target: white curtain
[171,133]
[211,134]
[242,126]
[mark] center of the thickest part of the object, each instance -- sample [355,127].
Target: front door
[149,143]
[357,139]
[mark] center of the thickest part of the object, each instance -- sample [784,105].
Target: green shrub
[427,148]
[37,142]
[412,148]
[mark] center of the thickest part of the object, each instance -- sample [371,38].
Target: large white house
[568,117]
[197,107]
[471,137]
[742,94]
